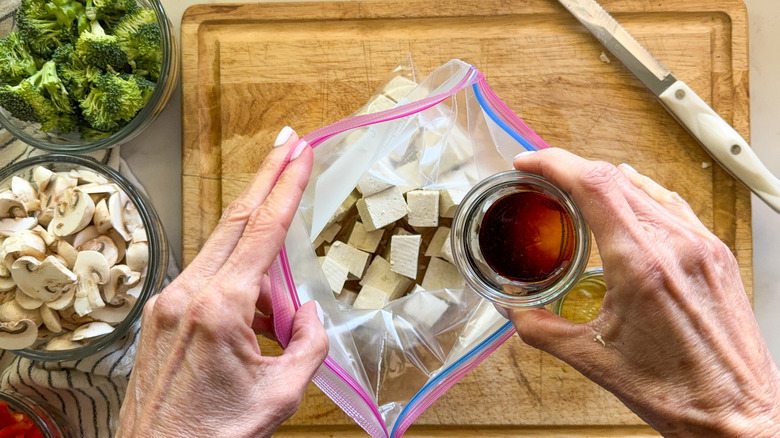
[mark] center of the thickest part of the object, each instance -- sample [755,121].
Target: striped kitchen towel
[89,391]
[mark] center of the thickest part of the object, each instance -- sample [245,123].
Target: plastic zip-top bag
[403,327]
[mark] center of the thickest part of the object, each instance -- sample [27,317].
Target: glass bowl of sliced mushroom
[81,250]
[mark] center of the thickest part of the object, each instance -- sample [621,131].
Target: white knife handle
[722,142]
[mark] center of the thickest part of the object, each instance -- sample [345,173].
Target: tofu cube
[398,88]
[449,200]
[363,239]
[352,258]
[368,185]
[440,275]
[347,297]
[437,241]
[336,274]
[380,276]
[370,298]
[404,251]
[383,208]
[423,208]
[344,208]
[446,251]
[327,234]
[424,309]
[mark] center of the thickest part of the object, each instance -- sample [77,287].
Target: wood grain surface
[250,69]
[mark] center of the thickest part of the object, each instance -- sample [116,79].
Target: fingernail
[627,166]
[523,154]
[283,136]
[298,149]
[501,310]
[320,313]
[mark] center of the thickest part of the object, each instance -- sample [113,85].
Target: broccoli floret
[65,11]
[111,102]
[98,49]
[140,37]
[16,61]
[146,86]
[74,72]
[50,86]
[26,103]
[44,26]
[110,11]
[89,133]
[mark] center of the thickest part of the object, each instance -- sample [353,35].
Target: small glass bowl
[158,249]
[72,142]
[49,421]
[481,276]
[582,303]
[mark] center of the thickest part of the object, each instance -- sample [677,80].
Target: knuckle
[165,311]
[599,176]
[238,211]
[265,222]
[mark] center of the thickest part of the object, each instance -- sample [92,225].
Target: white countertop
[155,157]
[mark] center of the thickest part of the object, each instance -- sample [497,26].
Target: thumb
[308,345]
[543,329]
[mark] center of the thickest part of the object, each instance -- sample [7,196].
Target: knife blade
[718,138]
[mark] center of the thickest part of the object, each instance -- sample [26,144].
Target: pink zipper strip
[509,116]
[442,387]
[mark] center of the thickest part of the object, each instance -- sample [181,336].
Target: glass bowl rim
[135,125]
[156,269]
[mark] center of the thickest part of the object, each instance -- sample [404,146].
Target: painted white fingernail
[523,154]
[320,313]
[298,150]
[502,311]
[283,136]
[627,166]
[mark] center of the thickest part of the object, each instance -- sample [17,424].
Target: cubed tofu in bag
[383,208]
[404,252]
[354,259]
[423,208]
[381,276]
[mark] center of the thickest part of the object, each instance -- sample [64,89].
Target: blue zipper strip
[499,121]
[451,369]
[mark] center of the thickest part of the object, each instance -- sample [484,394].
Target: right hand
[681,346]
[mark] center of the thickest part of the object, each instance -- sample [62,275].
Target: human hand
[199,370]
[681,347]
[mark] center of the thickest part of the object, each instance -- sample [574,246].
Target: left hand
[199,370]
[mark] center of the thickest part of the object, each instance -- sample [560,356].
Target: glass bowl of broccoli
[81,75]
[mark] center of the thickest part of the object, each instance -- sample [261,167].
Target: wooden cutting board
[250,69]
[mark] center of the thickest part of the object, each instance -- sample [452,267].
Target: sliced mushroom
[103,190]
[121,279]
[102,218]
[26,301]
[17,335]
[64,301]
[62,342]
[7,283]
[86,176]
[120,243]
[92,330]
[11,311]
[6,296]
[12,225]
[124,216]
[72,214]
[46,280]
[25,192]
[48,239]
[88,233]
[71,320]
[67,252]
[25,243]
[92,270]
[115,311]
[10,206]
[139,235]
[104,245]
[42,176]
[51,319]
[137,256]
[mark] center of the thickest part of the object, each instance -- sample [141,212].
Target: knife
[718,138]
